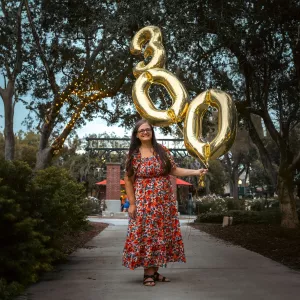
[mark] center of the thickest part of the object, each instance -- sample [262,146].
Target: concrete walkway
[214,270]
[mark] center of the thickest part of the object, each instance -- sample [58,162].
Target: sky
[96,126]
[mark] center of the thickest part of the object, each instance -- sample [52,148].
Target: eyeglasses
[145,130]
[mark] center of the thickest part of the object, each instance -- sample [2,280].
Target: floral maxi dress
[153,237]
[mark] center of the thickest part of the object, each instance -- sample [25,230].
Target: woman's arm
[187,172]
[129,189]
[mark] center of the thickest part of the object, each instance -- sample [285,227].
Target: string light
[86,93]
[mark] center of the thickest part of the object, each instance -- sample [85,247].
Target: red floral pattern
[153,237]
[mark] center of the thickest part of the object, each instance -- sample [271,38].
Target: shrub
[214,203]
[22,253]
[242,217]
[58,203]
[36,214]
[256,205]
[210,217]
[9,291]
[92,205]
[255,217]
[22,248]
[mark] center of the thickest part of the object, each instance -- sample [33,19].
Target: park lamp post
[240,188]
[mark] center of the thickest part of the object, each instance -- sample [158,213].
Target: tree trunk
[234,187]
[9,136]
[43,158]
[287,201]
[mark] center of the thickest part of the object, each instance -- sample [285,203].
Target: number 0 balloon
[144,104]
[227,125]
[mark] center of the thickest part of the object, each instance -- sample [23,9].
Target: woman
[154,236]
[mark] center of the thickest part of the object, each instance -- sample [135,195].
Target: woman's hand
[132,211]
[202,172]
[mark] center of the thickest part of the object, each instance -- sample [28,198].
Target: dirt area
[274,242]
[71,243]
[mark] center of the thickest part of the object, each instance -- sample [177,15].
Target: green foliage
[210,217]
[218,177]
[255,217]
[36,213]
[256,205]
[92,205]
[213,204]
[23,253]
[258,175]
[27,144]
[242,217]
[9,290]
[59,202]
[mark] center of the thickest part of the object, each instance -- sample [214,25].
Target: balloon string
[180,129]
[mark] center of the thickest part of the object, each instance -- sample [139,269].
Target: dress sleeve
[170,157]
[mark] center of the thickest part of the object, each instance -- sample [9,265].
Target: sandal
[163,279]
[149,282]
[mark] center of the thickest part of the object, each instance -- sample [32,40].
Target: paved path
[215,270]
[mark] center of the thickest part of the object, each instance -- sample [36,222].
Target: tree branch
[87,47]
[4,10]
[18,64]
[294,164]
[271,128]
[8,72]
[50,73]
[58,143]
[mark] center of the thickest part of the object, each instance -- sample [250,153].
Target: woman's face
[144,132]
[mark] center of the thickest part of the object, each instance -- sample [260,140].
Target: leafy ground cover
[71,243]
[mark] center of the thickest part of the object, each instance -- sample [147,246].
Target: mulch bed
[71,243]
[274,242]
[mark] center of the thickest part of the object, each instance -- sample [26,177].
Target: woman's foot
[160,278]
[149,280]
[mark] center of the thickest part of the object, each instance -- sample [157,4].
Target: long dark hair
[135,144]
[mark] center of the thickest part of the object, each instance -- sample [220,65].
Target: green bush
[37,211]
[255,217]
[58,202]
[214,203]
[210,217]
[92,205]
[242,217]
[9,291]
[23,253]
[256,205]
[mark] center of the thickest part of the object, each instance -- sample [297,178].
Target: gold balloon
[155,49]
[144,104]
[154,72]
[227,125]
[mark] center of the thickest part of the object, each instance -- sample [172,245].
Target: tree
[217,178]
[77,58]
[267,59]
[26,147]
[249,49]
[258,176]
[238,161]
[11,59]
